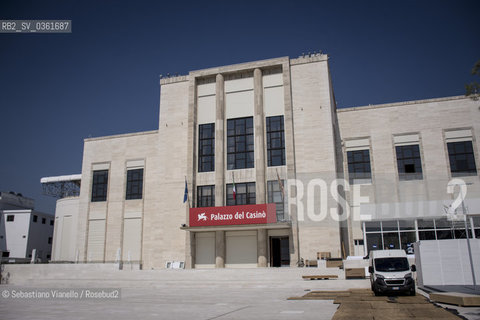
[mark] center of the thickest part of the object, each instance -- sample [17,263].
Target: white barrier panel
[446,262]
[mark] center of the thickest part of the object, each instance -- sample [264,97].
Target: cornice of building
[403,103]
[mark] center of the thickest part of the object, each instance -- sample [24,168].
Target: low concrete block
[456,298]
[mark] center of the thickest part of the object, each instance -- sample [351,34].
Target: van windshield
[391,264]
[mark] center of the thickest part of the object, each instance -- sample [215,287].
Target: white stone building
[66,189]
[23,229]
[270,130]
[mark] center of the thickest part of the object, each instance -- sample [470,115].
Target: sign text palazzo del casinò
[233,215]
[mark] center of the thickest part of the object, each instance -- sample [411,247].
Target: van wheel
[412,293]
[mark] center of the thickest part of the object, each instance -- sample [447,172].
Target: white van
[390,272]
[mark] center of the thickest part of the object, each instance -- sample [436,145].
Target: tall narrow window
[359,165]
[275,196]
[99,186]
[462,160]
[134,184]
[275,141]
[206,196]
[244,194]
[409,163]
[240,145]
[206,147]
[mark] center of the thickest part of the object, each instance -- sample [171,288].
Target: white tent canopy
[71,177]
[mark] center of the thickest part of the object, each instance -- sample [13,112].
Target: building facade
[66,189]
[240,138]
[23,230]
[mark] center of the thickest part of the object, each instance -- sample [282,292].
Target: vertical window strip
[206,147]
[244,194]
[359,165]
[100,185]
[275,141]
[409,162]
[134,184]
[462,159]
[206,196]
[240,143]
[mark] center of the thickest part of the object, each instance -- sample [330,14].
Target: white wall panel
[239,104]
[446,262]
[100,166]
[357,144]
[206,89]
[96,240]
[206,109]
[406,139]
[205,249]
[66,249]
[458,135]
[272,80]
[241,248]
[273,101]
[132,239]
[135,164]
[239,85]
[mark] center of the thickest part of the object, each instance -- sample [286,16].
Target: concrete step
[28,274]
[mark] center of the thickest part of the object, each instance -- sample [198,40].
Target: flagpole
[188,193]
[234,191]
[280,185]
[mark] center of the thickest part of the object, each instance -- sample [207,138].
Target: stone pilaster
[259,119]
[220,249]
[262,247]
[219,141]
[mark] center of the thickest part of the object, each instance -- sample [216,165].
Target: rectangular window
[240,145]
[35,218]
[244,194]
[359,165]
[99,185]
[409,162]
[51,222]
[134,184]
[206,196]
[462,160]
[206,147]
[275,196]
[275,141]
[44,220]
[49,240]
[10,218]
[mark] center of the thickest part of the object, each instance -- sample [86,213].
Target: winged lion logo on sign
[202,216]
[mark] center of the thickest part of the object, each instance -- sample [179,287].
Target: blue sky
[103,78]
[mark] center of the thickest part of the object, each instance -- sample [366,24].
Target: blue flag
[185,196]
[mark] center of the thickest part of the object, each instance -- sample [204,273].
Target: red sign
[233,215]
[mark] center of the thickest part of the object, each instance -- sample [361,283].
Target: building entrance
[279,252]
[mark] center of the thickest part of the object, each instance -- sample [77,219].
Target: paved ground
[471,313]
[362,304]
[175,294]
[181,294]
